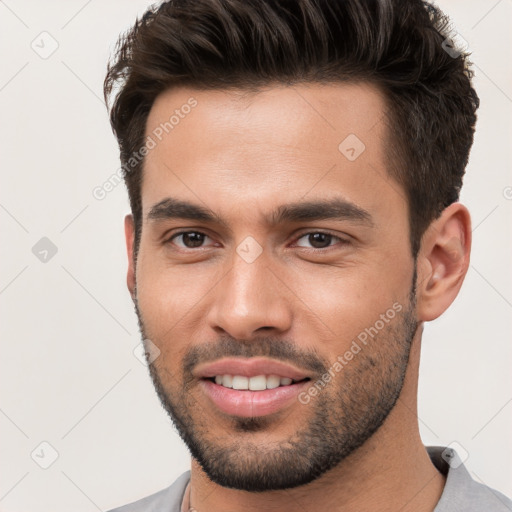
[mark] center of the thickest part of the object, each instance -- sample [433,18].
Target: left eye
[319,240]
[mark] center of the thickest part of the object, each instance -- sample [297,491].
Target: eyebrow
[337,209]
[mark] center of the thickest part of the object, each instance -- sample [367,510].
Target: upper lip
[248,367]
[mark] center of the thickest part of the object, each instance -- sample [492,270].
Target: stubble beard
[340,419]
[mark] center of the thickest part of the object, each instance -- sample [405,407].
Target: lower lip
[246,404]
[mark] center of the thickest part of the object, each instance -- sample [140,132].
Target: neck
[391,471]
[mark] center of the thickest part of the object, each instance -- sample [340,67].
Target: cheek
[343,303]
[171,298]
[164,304]
[164,298]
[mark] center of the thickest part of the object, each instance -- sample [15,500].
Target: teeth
[240,382]
[257,383]
[273,381]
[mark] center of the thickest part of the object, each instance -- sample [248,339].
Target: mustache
[271,347]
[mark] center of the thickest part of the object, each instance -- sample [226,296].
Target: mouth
[251,403]
[255,383]
[251,387]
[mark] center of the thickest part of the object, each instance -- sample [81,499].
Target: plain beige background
[69,376]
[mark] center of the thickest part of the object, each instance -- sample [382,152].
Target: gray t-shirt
[460,494]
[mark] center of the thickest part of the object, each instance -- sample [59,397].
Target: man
[294,169]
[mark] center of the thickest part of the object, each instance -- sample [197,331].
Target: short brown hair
[398,45]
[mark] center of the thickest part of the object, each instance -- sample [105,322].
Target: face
[275,277]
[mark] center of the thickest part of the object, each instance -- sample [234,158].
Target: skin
[242,156]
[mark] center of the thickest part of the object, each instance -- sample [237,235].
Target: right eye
[188,239]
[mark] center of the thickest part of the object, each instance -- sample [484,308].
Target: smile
[257,383]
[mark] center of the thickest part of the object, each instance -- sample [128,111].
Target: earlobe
[129,232]
[443,261]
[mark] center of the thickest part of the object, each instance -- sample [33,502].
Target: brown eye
[189,239]
[318,240]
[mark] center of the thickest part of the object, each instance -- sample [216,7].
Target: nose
[250,299]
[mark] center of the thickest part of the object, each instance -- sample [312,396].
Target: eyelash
[341,241]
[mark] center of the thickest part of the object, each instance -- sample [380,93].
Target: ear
[129,233]
[443,260]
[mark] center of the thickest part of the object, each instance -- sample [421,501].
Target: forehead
[240,148]
[306,113]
